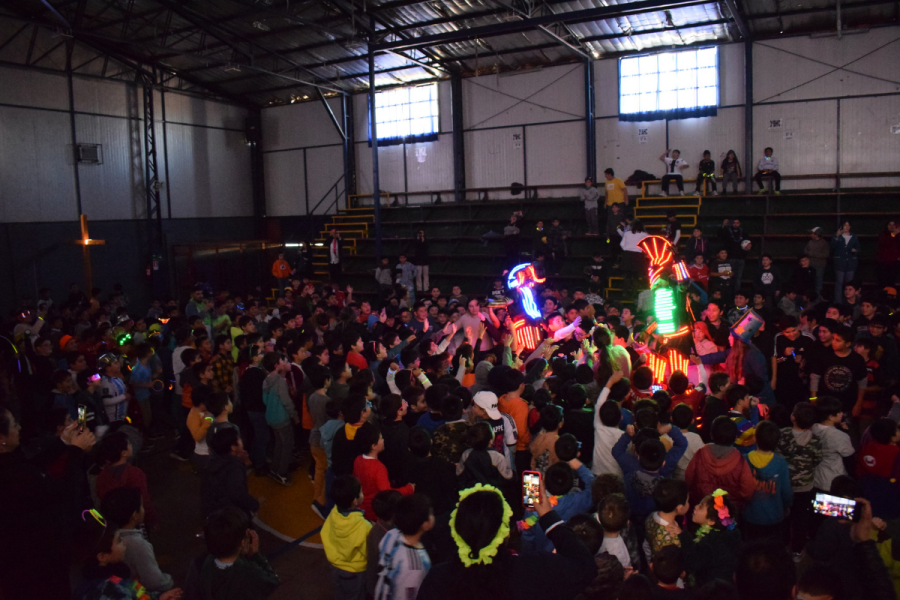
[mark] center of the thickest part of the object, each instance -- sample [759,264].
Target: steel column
[748,117]
[151,181]
[590,130]
[162,106]
[577,16]
[373,138]
[459,140]
[349,148]
[69,49]
[257,169]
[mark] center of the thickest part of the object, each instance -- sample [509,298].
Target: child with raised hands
[712,551]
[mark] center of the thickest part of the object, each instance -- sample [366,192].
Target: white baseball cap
[488,401]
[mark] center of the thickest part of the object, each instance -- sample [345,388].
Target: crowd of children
[407,412]
[415,419]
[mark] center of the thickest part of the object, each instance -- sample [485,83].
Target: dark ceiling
[263,52]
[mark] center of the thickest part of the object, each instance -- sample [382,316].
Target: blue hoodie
[773,493]
[639,482]
[577,501]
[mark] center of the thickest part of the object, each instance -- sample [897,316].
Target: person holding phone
[836,444]
[480,530]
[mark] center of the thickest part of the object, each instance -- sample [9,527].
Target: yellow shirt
[615,191]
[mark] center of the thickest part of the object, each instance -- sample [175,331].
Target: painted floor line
[259,523]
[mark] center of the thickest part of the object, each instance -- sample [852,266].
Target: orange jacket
[281,269]
[518,410]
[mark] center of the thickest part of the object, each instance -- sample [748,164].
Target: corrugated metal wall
[285,183]
[801,68]
[36,166]
[37,182]
[827,105]
[209,161]
[302,154]
[527,127]
[867,144]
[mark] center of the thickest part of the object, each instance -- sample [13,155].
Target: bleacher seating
[777,225]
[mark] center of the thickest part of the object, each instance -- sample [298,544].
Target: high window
[671,85]
[407,114]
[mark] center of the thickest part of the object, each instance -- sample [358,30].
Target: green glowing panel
[664,308]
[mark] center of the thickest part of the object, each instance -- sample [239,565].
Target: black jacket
[224,484]
[251,389]
[857,564]
[396,452]
[420,253]
[715,556]
[345,451]
[694,247]
[559,576]
[37,524]
[731,238]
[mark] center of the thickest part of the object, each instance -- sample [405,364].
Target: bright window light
[407,113]
[679,83]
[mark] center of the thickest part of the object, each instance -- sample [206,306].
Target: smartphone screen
[531,487]
[656,388]
[82,417]
[835,506]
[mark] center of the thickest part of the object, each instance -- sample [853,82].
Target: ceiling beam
[820,9]
[578,16]
[738,17]
[229,37]
[525,15]
[360,75]
[619,36]
[135,63]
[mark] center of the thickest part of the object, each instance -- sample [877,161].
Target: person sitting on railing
[731,172]
[707,173]
[674,166]
[768,167]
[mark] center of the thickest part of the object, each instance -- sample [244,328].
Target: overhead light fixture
[306,96]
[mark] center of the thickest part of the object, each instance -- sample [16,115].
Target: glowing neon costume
[670,307]
[523,278]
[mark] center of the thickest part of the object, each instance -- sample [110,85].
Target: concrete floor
[175,490]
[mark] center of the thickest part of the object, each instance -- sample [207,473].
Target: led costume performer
[523,279]
[671,309]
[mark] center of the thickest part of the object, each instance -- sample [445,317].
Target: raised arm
[567,330]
